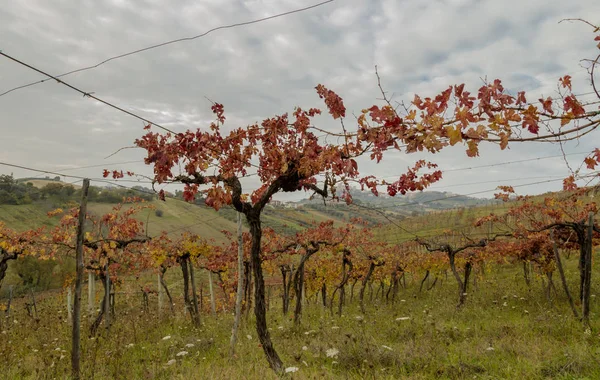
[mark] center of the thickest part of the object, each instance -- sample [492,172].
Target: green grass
[505,330]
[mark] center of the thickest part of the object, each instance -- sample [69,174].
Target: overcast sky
[267,68]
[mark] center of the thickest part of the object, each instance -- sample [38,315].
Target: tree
[451,249]
[569,214]
[291,158]
[113,244]
[14,244]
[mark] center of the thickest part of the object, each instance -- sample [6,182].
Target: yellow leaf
[455,134]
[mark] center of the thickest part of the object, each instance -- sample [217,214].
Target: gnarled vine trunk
[107,284]
[287,283]
[462,285]
[189,303]
[361,295]
[164,285]
[260,310]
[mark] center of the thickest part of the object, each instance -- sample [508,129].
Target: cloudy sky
[267,68]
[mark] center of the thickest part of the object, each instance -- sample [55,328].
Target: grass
[506,330]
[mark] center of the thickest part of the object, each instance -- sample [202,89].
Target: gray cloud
[268,68]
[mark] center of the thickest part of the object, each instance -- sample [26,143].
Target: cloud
[267,68]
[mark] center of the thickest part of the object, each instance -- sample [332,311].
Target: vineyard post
[588,272]
[91,293]
[107,298]
[212,294]
[160,294]
[240,286]
[34,304]
[10,296]
[69,309]
[76,338]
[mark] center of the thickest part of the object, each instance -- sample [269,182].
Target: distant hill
[410,204]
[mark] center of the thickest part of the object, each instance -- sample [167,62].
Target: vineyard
[198,271]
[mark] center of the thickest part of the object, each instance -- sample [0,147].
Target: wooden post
[588,272]
[240,287]
[212,294]
[160,293]
[107,297]
[69,309]
[91,293]
[76,338]
[10,296]
[34,304]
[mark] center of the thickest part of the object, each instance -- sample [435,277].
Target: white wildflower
[359,317]
[335,327]
[249,337]
[166,337]
[490,348]
[182,353]
[171,362]
[281,328]
[332,353]
[304,348]
[505,304]
[291,369]
[129,345]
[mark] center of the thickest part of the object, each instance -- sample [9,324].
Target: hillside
[24,204]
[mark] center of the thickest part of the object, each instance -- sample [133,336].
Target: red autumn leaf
[590,162]
[521,98]
[566,82]
[571,104]
[333,101]
[547,105]
[569,183]
[218,110]
[472,150]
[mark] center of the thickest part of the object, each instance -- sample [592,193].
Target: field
[505,330]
